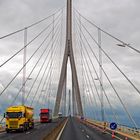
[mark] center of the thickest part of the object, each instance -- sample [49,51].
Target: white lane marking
[82,130]
[61,131]
[87,136]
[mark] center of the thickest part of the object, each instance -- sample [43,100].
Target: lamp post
[40,95]
[24,65]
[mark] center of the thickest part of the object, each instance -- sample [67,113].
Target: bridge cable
[24,46]
[81,53]
[33,68]
[38,73]
[103,89]
[24,66]
[80,48]
[47,84]
[50,84]
[48,71]
[56,56]
[24,83]
[132,84]
[93,82]
[90,84]
[36,23]
[114,114]
[56,59]
[123,43]
[28,43]
[130,117]
[59,63]
[32,71]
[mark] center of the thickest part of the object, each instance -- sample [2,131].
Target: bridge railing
[129,130]
[121,129]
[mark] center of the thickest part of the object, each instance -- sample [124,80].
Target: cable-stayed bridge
[71,71]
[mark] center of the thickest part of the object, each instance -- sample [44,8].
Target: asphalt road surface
[74,130]
[38,133]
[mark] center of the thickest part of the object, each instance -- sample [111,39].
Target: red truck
[45,115]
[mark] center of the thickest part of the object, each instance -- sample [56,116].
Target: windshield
[44,114]
[14,114]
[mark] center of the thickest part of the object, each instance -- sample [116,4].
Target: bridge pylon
[68,53]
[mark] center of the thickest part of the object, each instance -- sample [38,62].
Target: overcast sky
[120,18]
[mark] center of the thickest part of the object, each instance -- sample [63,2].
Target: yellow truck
[19,118]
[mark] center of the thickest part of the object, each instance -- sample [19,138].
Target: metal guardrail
[128,130]
[122,130]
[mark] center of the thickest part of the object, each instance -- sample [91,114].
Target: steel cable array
[79,24]
[55,32]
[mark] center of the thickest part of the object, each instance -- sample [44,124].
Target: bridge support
[68,54]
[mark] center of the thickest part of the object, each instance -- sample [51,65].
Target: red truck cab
[45,115]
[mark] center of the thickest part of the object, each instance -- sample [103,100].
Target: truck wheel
[26,126]
[7,130]
[23,129]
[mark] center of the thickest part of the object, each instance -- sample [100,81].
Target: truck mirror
[4,115]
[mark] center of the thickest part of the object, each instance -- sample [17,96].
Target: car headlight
[21,125]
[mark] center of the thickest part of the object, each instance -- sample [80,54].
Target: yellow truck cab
[19,118]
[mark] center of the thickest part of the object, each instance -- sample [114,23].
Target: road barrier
[55,132]
[128,130]
[123,131]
